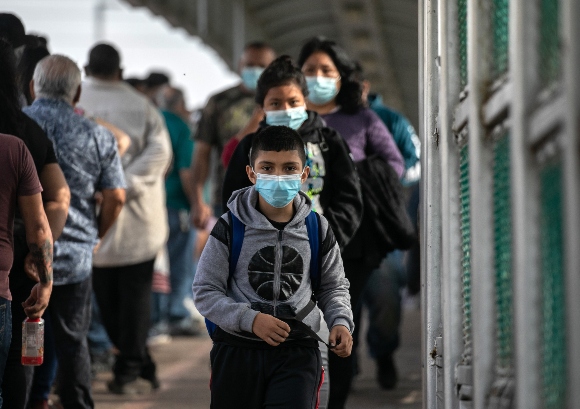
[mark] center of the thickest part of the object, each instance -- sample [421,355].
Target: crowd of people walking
[112,194]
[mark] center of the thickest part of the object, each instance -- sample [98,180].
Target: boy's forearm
[333,295]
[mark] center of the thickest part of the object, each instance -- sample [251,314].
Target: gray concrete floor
[183,368]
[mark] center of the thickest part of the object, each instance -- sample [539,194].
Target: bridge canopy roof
[381,34]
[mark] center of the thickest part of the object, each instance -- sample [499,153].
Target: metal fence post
[570,17]
[451,304]
[430,203]
[481,194]
[525,256]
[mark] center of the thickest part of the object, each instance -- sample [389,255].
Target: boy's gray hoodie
[272,274]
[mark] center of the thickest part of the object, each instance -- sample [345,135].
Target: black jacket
[386,224]
[340,198]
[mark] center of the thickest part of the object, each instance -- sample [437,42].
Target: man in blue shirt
[88,156]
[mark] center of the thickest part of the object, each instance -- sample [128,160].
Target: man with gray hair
[88,156]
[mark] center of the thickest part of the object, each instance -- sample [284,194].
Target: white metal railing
[539,125]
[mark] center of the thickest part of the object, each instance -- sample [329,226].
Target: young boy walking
[263,355]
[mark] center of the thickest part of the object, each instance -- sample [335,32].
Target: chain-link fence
[462,24]
[549,42]
[465,225]
[503,255]
[553,329]
[500,45]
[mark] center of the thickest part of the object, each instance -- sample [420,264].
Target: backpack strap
[315,240]
[312,222]
[237,231]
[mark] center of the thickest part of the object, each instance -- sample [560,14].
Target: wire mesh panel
[500,25]
[462,17]
[465,226]
[549,42]
[503,251]
[553,289]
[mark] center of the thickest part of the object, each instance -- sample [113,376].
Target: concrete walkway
[183,366]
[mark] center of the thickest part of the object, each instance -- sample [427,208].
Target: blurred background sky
[146,42]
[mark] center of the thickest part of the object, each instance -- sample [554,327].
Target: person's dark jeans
[124,298]
[70,313]
[342,369]
[5,336]
[180,251]
[382,297]
[99,342]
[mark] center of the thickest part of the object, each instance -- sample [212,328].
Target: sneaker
[387,373]
[158,334]
[102,362]
[154,381]
[137,387]
[187,326]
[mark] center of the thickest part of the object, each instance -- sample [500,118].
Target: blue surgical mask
[250,76]
[292,118]
[278,191]
[321,90]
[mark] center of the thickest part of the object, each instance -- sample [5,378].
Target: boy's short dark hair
[281,71]
[277,138]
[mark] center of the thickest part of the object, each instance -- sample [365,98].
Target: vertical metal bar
[430,203]
[450,238]
[481,202]
[238,30]
[524,197]
[99,12]
[202,18]
[570,18]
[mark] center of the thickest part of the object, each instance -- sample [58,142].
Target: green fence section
[503,251]
[462,22]
[553,289]
[549,42]
[465,226]
[500,25]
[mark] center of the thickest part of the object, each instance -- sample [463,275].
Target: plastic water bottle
[32,341]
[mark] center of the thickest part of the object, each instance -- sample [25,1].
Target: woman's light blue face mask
[321,90]
[292,117]
[278,191]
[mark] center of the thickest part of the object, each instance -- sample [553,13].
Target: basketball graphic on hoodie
[261,272]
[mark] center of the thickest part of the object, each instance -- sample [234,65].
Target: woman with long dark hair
[56,197]
[335,93]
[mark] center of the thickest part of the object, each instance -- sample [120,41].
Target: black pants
[70,314]
[17,378]
[280,377]
[124,298]
[342,369]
